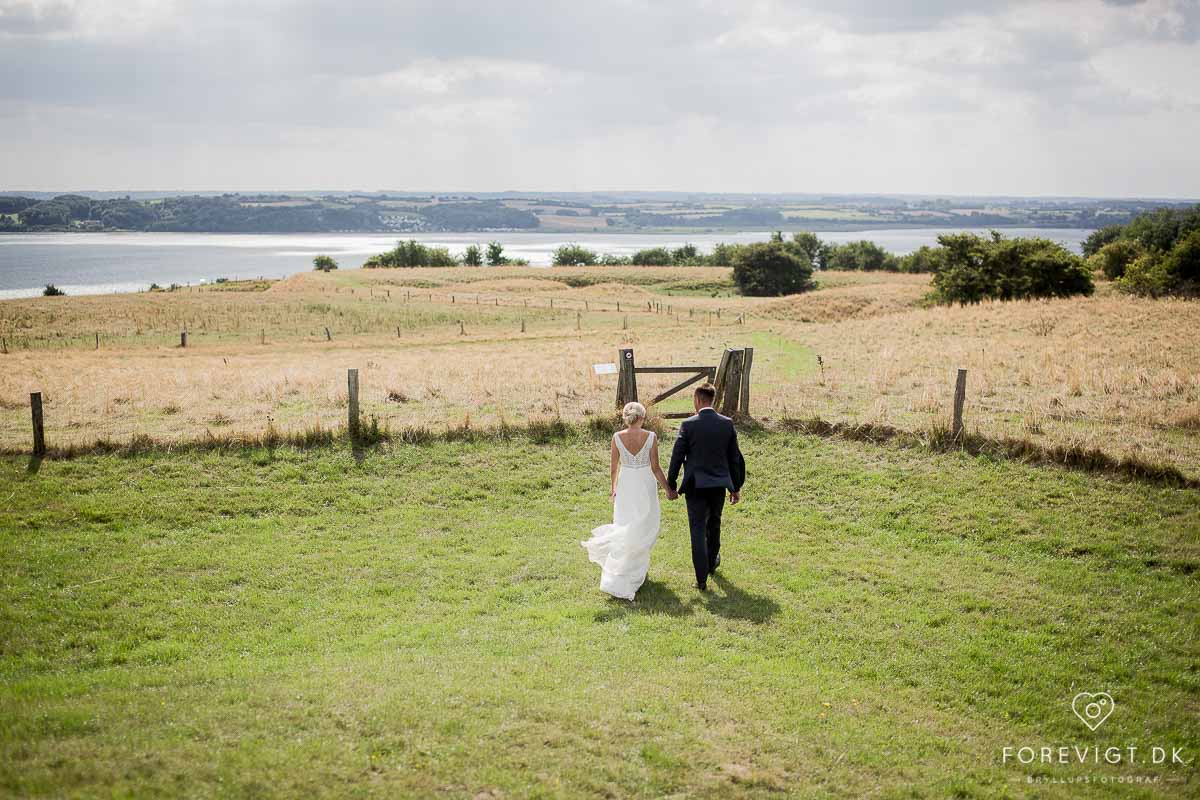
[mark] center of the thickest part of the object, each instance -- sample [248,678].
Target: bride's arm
[656,468]
[613,468]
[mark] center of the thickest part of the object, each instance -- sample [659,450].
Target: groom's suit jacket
[707,450]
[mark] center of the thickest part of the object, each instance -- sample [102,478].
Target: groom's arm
[737,464]
[678,455]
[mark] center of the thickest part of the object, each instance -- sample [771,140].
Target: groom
[707,449]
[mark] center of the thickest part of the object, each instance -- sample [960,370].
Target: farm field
[444,348]
[408,620]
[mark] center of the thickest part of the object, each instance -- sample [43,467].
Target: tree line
[1155,255]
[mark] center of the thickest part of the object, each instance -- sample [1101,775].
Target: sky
[955,97]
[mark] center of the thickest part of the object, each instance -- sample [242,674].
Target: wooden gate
[731,377]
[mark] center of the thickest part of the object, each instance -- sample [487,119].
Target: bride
[622,549]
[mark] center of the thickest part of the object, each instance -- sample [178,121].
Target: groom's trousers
[704,508]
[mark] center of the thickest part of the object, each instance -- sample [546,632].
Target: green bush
[923,259]
[974,269]
[1113,258]
[412,254]
[770,269]
[52,291]
[472,256]
[1097,239]
[860,256]
[652,257]
[1154,274]
[323,263]
[573,255]
[495,255]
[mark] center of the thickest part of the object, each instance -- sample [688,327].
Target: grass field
[419,619]
[450,347]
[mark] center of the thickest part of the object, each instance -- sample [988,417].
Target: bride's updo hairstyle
[632,412]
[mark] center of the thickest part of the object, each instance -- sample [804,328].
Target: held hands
[672,494]
[735,498]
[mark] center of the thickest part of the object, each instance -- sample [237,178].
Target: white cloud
[969,96]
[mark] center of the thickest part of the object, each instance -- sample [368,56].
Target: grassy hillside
[447,347]
[408,620]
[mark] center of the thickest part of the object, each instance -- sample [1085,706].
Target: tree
[1100,237]
[652,257]
[808,247]
[52,291]
[472,256]
[324,263]
[573,255]
[862,255]
[1154,274]
[1113,258]
[770,269]
[495,255]
[974,269]
[923,259]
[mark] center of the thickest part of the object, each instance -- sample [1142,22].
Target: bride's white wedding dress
[622,549]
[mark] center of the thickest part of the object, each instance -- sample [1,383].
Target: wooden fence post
[4,346]
[578,319]
[626,378]
[960,397]
[328,335]
[462,330]
[719,378]
[352,400]
[183,338]
[747,361]
[522,324]
[97,340]
[39,434]
[625,325]
[733,384]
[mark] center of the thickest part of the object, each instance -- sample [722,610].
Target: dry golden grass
[1114,372]
[1119,373]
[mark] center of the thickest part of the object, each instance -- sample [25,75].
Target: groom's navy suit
[707,450]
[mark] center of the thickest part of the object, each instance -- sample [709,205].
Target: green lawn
[422,619]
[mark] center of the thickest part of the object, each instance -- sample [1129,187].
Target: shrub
[610,260]
[472,256]
[573,255]
[1113,258]
[323,263]
[1100,237]
[862,255]
[412,254]
[52,291]
[495,255]
[808,247]
[923,259]
[769,269]
[723,255]
[974,269]
[1177,272]
[1146,275]
[652,257]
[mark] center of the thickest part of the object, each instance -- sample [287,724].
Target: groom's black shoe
[702,586]
[713,571]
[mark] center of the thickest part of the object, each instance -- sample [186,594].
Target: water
[102,263]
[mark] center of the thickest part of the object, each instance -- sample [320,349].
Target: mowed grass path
[422,620]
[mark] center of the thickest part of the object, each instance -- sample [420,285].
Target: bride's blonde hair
[632,412]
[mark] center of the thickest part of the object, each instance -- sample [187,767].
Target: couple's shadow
[730,601]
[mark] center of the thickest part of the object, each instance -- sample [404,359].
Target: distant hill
[563,212]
